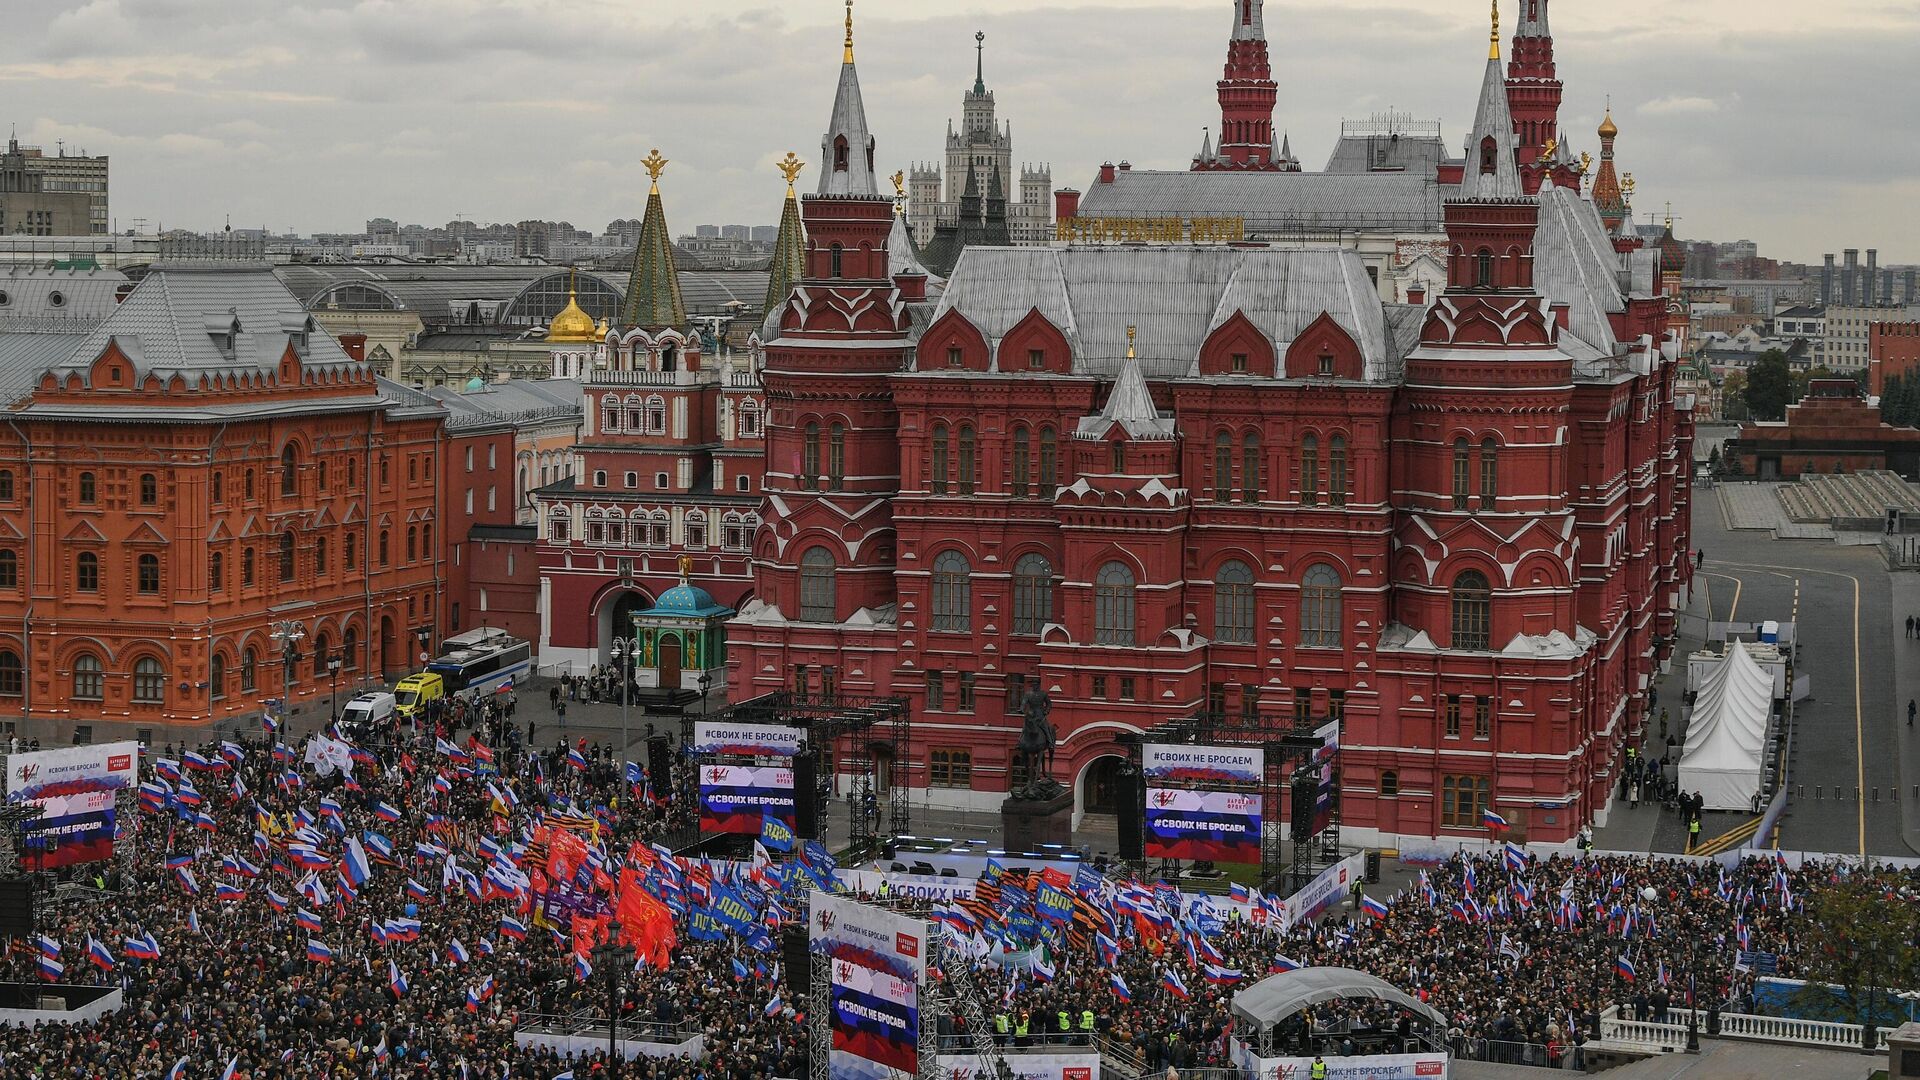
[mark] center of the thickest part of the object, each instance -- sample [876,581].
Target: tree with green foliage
[1713,462]
[1857,937]
[1900,401]
[1769,386]
[1733,397]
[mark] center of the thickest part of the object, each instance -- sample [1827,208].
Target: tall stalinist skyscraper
[982,147]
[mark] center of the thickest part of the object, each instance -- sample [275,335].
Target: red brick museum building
[1161,480]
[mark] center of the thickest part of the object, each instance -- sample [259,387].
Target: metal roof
[1275,203]
[37,297]
[1574,264]
[177,319]
[1174,296]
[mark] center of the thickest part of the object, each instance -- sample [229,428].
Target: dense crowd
[1506,948]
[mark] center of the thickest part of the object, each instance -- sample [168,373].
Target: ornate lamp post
[612,957]
[288,633]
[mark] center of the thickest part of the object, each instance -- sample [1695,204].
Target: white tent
[1727,733]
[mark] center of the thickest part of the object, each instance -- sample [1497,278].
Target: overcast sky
[1788,123]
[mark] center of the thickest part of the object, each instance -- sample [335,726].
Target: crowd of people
[1507,948]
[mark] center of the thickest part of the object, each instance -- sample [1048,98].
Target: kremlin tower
[1247,95]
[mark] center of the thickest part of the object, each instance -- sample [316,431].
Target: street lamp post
[612,957]
[288,632]
[333,669]
[623,651]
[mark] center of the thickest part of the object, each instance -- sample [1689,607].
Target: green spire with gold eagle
[653,288]
[790,247]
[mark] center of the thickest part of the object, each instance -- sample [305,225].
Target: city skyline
[515,114]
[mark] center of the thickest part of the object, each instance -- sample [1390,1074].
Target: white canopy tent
[1727,733]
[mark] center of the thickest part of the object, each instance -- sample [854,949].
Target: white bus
[483,660]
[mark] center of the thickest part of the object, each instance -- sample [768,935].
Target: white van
[367,714]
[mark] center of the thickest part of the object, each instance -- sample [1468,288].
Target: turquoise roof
[685,600]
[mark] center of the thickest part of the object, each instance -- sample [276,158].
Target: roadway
[1850,738]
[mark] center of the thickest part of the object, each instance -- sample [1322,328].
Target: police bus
[483,660]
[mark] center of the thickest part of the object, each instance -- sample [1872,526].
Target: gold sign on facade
[1200,230]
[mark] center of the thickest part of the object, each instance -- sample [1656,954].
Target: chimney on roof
[1126,166]
[1417,295]
[1066,204]
[1106,172]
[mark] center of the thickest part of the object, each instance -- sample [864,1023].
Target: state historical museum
[1159,481]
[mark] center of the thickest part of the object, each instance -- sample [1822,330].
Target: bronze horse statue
[1038,740]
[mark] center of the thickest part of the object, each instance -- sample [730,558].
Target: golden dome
[572,325]
[1607,130]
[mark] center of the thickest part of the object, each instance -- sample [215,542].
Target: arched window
[249,667]
[967,463]
[86,572]
[696,529]
[939,462]
[147,574]
[246,484]
[810,459]
[1489,155]
[9,569]
[320,556]
[12,679]
[1233,602]
[1472,610]
[1310,471]
[1022,463]
[286,556]
[1320,615]
[557,527]
[836,456]
[6,485]
[413,544]
[749,420]
[353,472]
[1337,471]
[952,592]
[1113,605]
[1489,472]
[1032,594]
[149,489]
[217,676]
[1460,474]
[386,547]
[657,526]
[88,492]
[834,254]
[1252,487]
[216,572]
[322,652]
[1048,456]
[1389,782]
[609,416]
[1118,449]
[289,470]
[149,682]
[246,568]
[426,542]
[350,648]
[840,154]
[89,679]
[817,603]
[1483,269]
[218,484]
[1222,467]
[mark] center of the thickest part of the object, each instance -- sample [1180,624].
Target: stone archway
[1100,789]
[617,608]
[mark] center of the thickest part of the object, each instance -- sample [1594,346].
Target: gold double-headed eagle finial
[790,168]
[899,179]
[1586,162]
[1626,183]
[1130,332]
[655,166]
[1547,150]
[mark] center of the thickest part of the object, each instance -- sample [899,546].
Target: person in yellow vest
[1086,1025]
[1066,1022]
[1318,1071]
[1001,1025]
[1021,1027]
[1693,834]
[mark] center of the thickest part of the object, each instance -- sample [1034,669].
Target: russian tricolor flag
[1221,976]
[1492,820]
[415,890]
[51,969]
[306,920]
[1283,964]
[576,759]
[511,927]
[1119,986]
[396,982]
[179,1070]
[1516,856]
[1170,980]
[354,865]
[143,947]
[98,953]
[582,970]
[456,952]
[228,893]
[1373,907]
[385,812]
[1623,967]
[318,952]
